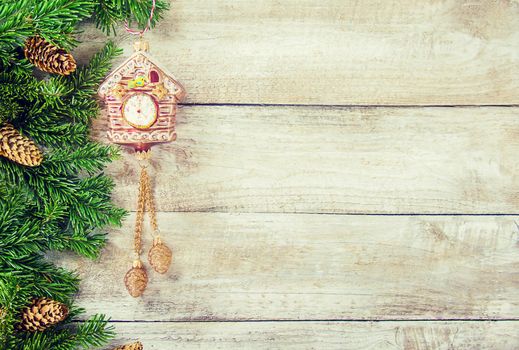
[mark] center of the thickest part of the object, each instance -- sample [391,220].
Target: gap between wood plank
[380,106]
[320,321]
[333,213]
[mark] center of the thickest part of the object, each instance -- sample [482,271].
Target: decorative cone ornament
[42,314]
[133,346]
[18,148]
[136,279]
[160,256]
[48,57]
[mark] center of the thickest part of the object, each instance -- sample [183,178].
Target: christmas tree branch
[110,12]
[64,203]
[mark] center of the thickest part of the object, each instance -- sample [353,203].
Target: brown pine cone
[18,148]
[133,346]
[49,58]
[42,314]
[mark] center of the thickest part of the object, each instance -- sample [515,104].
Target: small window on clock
[154,76]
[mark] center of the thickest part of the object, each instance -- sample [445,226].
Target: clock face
[140,111]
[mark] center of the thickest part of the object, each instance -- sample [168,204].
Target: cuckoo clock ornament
[141,98]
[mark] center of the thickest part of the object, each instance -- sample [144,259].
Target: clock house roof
[136,62]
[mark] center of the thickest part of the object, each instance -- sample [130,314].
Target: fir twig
[63,204]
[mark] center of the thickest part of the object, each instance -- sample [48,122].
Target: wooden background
[346,176]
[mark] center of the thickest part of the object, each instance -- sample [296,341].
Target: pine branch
[94,332]
[108,13]
[54,20]
[90,157]
[93,208]
[88,77]
[63,204]
[16,92]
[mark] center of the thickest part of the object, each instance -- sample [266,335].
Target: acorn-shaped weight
[160,256]
[136,279]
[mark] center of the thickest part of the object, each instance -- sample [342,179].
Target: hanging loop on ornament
[143,155]
[143,158]
[148,25]
[137,255]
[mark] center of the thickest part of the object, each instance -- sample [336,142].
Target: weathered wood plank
[334,160]
[315,267]
[373,52]
[323,335]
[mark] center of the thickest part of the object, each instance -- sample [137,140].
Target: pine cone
[42,314]
[47,57]
[133,346]
[18,148]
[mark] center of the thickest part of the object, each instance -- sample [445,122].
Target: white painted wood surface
[256,195]
[323,335]
[370,52]
[334,160]
[315,267]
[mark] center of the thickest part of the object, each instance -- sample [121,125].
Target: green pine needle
[65,203]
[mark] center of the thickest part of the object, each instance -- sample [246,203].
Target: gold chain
[150,204]
[144,200]
[139,219]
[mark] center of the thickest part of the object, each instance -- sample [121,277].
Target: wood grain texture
[246,192]
[339,52]
[323,335]
[315,267]
[333,160]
